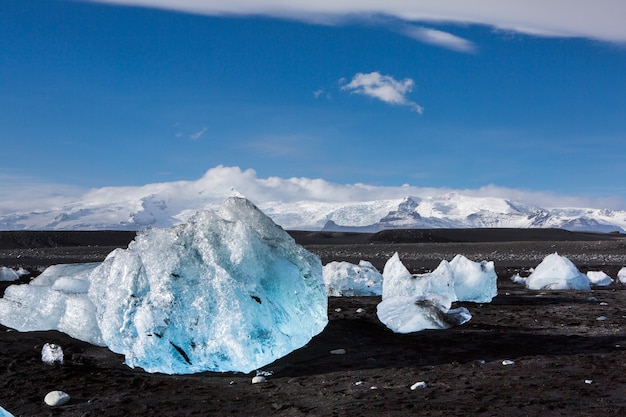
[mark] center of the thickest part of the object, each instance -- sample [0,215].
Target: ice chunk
[398,281]
[599,278]
[55,300]
[404,314]
[459,280]
[518,279]
[621,275]
[8,274]
[51,354]
[226,291]
[474,281]
[5,413]
[557,272]
[347,279]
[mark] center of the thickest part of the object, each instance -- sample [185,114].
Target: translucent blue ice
[227,291]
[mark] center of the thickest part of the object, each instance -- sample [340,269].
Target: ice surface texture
[557,272]
[350,280]
[227,291]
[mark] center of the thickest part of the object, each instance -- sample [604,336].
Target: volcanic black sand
[565,361]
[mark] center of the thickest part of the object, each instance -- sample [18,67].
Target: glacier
[556,272]
[228,290]
[350,280]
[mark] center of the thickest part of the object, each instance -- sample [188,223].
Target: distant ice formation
[459,280]
[475,282]
[8,274]
[422,301]
[599,278]
[350,280]
[413,314]
[227,291]
[398,281]
[557,272]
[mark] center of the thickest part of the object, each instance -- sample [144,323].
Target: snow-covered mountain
[165,207]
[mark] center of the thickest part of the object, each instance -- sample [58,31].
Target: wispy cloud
[600,19]
[439,38]
[384,88]
[198,134]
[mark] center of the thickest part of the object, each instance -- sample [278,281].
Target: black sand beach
[565,361]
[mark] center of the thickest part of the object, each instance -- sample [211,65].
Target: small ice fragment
[592,299]
[603,303]
[599,278]
[589,381]
[56,398]
[264,373]
[360,310]
[8,274]
[373,387]
[338,310]
[258,379]
[418,385]
[359,383]
[602,318]
[51,354]
[338,352]
[507,362]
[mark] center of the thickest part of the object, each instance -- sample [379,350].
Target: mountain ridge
[451,210]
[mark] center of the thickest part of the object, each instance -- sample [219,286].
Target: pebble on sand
[56,398]
[258,379]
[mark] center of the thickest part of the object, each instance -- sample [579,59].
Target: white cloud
[439,38]
[384,88]
[599,19]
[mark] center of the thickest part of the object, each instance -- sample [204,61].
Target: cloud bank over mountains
[600,19]
[303,203]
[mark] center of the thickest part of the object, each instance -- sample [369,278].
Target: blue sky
[96,94]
